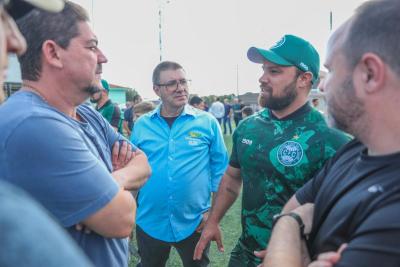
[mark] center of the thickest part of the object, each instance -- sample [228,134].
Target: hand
[210,232]
[134,174]
[203,222]
[306,213]
[328,259]
[121,156]
[260,254]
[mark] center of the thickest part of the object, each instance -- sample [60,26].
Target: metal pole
[160,30]
[237,79]
[92,15]
[330,20]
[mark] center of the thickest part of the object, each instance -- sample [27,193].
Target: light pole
[237,79]
[161,5]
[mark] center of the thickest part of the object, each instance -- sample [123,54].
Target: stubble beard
[349,115]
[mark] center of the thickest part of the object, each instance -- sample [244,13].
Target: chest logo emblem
[194,134]
[290,153]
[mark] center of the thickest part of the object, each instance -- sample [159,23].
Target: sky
[209,38]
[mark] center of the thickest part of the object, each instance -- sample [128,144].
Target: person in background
[197,102]
[188,157]
[217,110]
[129,114]
[110,111]
[247,111]
[237,110]
[143,108]
[315,102]
[68,163]
[275,151]
[23,222]
[227,116]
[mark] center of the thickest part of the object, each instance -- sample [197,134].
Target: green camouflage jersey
[276,157]
[112,114]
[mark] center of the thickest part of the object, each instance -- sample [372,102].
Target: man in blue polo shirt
[188,157]
[23,221]
[58,149]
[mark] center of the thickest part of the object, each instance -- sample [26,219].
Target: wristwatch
[294,216]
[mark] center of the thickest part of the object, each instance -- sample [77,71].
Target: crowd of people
[224,112]
[73,188]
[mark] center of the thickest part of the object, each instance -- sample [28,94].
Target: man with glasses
[187,154]
[275,151]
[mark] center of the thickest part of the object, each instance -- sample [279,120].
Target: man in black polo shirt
[356,195]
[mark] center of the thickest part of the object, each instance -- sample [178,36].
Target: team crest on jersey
[290,153]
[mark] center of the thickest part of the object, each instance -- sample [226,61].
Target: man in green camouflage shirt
[275,151]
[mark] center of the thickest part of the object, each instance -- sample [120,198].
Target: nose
[180,87]
[15,41]
[101,58]
[264,78]
[321,85]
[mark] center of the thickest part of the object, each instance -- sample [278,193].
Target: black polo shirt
[357,201]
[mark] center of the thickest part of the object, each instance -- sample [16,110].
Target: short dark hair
[247,110]
[144,107]
[375,27]
[195,100]
[136,98]
[165,65]
[39,26]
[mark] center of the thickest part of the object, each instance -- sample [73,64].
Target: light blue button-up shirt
[188,161]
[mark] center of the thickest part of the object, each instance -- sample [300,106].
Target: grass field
[231,230]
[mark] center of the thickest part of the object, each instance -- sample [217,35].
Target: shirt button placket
[170,188]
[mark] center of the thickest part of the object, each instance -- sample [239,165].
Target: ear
[51,53]
[304,80]
[370,72]
[156,90]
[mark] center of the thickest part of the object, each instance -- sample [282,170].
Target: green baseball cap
[290,50]
[105,85]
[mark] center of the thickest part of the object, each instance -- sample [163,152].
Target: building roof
[116,86]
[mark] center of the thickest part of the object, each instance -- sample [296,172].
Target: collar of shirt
[267,113]
[187,110]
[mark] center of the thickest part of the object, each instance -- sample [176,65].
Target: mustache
[99,69]
[265,88]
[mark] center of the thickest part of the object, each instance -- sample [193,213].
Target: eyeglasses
[174,83]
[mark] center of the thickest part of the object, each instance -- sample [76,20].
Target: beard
[92,89]
[278,102]
[93,99]
[346,111]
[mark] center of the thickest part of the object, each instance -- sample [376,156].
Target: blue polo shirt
[64,164]
[188,161]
